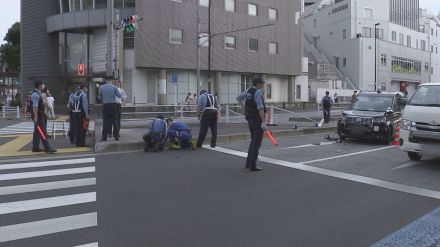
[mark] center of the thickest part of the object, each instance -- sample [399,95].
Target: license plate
[376,128]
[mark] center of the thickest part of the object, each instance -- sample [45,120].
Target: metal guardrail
[341,106]
[11,110]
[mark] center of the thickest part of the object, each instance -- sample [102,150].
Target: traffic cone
[396,139]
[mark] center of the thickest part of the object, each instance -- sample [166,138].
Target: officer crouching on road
[156,137]
[80,114]
[179,135]
[208,107]
[255,113]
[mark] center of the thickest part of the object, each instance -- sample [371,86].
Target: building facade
[399,59]
[158,63]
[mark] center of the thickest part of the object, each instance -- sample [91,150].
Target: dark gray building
[157,64]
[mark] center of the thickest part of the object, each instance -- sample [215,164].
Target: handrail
[303,116]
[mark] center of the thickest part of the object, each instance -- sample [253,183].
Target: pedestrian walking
[119,102]
[38,117]
[80,115]
[107,94]
[327,103]
[207,108]
[255,113]
[51,106]
[354,96]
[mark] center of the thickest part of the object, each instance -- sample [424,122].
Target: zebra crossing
[48,203]
[28,128]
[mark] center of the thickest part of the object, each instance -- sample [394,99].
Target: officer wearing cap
[107,94]
[207,106]
[255,113]
[156,137]
[80,113]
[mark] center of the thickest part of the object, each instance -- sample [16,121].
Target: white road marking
[411,163]
[50,226]
[18,189]
[43,203]
[346,176]
[89,245]
[348,155]
[14,176]
[46,163]
[309,145]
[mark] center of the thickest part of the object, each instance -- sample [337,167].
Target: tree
[10,52]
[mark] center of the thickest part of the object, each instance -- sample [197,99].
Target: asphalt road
[207,198]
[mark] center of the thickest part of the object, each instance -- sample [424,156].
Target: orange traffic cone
[396,140]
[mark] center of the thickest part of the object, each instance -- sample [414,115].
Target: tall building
[157,63]
[399,57]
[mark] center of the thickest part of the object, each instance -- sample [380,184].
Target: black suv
[371,116]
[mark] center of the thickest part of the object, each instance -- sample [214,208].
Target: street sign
[80,69]
[174,78]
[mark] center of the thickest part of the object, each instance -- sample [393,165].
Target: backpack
[326,102]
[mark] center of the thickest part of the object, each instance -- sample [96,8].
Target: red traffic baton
[271,138]
[41,133]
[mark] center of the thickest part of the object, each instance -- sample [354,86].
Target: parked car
[372,116]
[420,133]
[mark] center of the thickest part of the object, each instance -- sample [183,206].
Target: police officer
[207,106]
[38,117]
[107,94]
[71,106]
[156,137]
[327,103]
[255,113]
[179,134]
[80,115]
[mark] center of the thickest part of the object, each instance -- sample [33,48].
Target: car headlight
[380,119]
[406,124]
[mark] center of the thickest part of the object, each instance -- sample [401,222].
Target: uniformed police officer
[255,113]
[156,137]
[80,115]
[71,106]
[38,117]
[207,106]
[107,94]
[179,134]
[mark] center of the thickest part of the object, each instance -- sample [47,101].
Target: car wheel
[414,156]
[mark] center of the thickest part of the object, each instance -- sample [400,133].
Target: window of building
[130,3]
[426,66]
[432,48]
[366,32]
[246,82]
[408,41]
[344,62]
[204,3]
[436,50]
[394,36]
[273,48]
[128,40]
[344,33]
[401,38]
[229,42]
[406,66]
[298,91]
[368,13]
[336,62]
[417,44]
[423,45]
[432,31]
[204,39]
[273,14]
[230,5]
[253,45]
[268,91]
[252,9]
[178,1]
[176,36]
[314,23]
[379,33]
[100,4]
[383,60]
[87,4]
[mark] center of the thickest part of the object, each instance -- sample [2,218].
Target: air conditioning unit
[359,35]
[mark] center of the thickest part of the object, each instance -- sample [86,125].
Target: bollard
[396,137]
[18,112]
[4,111]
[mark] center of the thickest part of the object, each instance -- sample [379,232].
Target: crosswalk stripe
[89,245]
[18,189]
[43,203]
[46,163]
[14,176]
[49,226]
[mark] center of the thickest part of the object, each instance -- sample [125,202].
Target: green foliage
[10,52]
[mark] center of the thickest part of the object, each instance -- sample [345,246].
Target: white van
[420,125]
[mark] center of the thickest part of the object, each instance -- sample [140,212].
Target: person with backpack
[326,104]
[156,137]
[207,108]
[80,114]
[39,118]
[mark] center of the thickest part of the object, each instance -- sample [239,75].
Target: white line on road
[43,203]
[18,189]
[408,164]
[336,174]
[50,226]
[46,163]
[309,145]
[14,176]
[348,155]
[89,245]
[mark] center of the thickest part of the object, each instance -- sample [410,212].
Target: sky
[10,13]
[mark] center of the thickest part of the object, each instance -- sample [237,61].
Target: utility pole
[375,56]
[209,46]
[199,85]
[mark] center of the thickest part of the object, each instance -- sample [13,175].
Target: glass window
[119,3]
[426,96]
[369,13]
[129,3]
[273,48]
[366,32]
[204,39]
[230,5]
[394,36]
[268,91]
[423,45]
[100,4]
[87,4]
[273,14]
[408,41]
[76,5]
[379,33]
[252,9]
[401,37]
[204,3]
[65,7]
[298,91]
[253,45]
[178,1]
[344,33]
[344,62]
[176,36]
[383,59]
[229,42]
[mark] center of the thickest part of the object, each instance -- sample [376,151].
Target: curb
[113,146]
